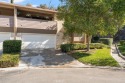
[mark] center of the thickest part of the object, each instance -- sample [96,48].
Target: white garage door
[4,36]
[33,41]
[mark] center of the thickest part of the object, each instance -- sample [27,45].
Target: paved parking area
[48,58]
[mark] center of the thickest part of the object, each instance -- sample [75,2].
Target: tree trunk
[72,38]
[88,42]
[85,38]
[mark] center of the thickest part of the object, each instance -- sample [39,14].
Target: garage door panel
[31,41]
[3,37]
[34,45]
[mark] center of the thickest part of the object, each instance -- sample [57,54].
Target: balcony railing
[36,24]
[8,21]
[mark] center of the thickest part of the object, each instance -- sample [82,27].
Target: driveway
[64,75]
[48,58]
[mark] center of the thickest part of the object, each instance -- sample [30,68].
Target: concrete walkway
[0,52]
[116,57]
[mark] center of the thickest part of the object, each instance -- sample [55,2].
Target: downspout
[15,23]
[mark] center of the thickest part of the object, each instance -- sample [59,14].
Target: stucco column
[54,17]
[15,23]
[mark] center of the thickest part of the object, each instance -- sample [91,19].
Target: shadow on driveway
[47,58]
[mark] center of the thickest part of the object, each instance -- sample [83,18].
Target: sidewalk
[0,52]
[116,57]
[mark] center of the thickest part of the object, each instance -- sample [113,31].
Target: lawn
[99,57]
[122,49]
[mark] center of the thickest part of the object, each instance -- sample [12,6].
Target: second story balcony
[28,25]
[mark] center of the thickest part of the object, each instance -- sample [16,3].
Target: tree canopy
[29,4]
[93,16]
[11,1]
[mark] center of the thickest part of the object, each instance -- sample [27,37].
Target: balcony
[28,25]
[6,23]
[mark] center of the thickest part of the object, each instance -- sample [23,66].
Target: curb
[13,69]
[118,51]
[49,67]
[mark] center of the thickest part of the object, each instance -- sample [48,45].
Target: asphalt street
[63,75]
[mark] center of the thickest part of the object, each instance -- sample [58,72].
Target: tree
[30,5]
[69,25]
[93,16]
[44,6]
[119,13]
[12,1]
[52,8]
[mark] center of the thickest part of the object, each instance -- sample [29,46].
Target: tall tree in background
[30,5]
[44,6]
[12,1]
[119,13]
[93,16]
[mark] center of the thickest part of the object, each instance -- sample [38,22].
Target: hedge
[9,60]
[107,41]
[95,39]
[12,46]
[122,42]
[96,46]
[71,47]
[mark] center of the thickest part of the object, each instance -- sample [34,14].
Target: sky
[35,3]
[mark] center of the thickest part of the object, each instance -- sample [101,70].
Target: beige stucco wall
[36,23]
[6,21]
[79,38]
[8,12]
[60,35]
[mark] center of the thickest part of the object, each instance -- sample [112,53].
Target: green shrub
[122,42]
[66,47]
[95,39]
[9,60]
[107,41]
[71,47]
[12,46]
[96,45]
[79,46]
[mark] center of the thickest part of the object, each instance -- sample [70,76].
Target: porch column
[15,23]
[54,17]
